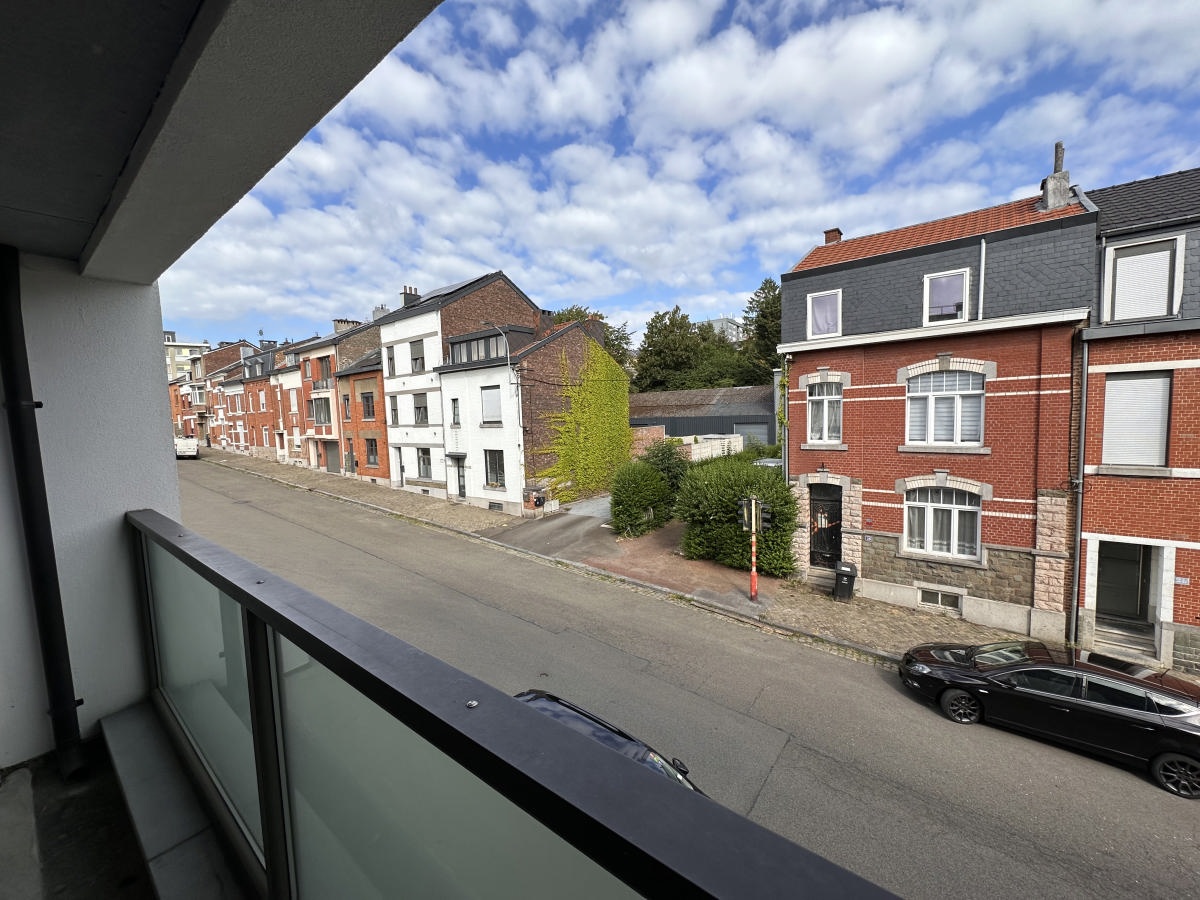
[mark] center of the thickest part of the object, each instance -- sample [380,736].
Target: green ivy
[592,436]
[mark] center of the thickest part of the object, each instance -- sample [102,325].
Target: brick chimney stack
[1056,187]
[409,296]
[833,235]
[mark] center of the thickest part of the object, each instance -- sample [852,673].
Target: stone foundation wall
[1050,566]
[1008,578]
[1186,657]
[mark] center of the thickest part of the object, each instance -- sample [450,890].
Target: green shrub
[667,457]
[641,499]
[708,504]
[759,451]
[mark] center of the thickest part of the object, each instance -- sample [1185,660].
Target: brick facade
[367,422]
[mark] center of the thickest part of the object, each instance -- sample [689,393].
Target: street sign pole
[753,548]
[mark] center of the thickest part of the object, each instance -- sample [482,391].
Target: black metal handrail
[656,837]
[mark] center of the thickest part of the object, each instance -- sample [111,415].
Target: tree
[670,352]
[617,340]
[762,319]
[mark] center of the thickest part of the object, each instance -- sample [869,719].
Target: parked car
[187,447]
[579,719]
[1096,703]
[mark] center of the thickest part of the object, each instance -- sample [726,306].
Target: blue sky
[634,156]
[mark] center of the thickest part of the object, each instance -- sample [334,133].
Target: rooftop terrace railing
[342,762]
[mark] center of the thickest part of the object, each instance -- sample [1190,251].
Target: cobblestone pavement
[870,630]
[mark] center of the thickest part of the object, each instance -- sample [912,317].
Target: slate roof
[977,222]
[439,297]
[754,400]
[1166,199]
[369,362]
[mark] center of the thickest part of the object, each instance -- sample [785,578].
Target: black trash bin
[844,574]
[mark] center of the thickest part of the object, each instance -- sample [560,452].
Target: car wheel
[961,706]
[1178,774]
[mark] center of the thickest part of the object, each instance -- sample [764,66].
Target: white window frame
[837,332]
[930,398]
[934,500]
[966,297]
[420,409]
[490,406]
[394,410]
[427,457]
[1112,255]
[826,402]
[1145,440]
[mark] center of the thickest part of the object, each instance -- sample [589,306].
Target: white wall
[105,432]
[473,438]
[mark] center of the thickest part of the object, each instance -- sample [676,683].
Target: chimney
[833,235]
[1056,187]
[340,325]
[409,296]
[268,345]
[380,310]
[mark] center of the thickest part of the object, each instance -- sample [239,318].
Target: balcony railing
[341,761]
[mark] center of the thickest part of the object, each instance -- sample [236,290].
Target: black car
[579,719]
[1097,703]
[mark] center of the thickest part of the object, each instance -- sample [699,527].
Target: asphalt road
[826,751]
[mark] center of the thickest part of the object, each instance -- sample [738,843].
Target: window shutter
[943,418]
[1142,281]
[972,418]
[491,404]
[1136,412]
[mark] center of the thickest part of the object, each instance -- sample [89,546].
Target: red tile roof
[981,221]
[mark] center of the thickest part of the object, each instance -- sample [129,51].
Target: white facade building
[412,348]
[485,452]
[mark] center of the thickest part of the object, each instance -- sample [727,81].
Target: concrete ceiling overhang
[127,130]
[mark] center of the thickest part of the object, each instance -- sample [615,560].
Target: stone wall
[1053,545]
[1186,657]
[1008,578]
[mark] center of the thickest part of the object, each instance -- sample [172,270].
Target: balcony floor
[84,840]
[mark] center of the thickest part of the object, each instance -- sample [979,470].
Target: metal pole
[753,549]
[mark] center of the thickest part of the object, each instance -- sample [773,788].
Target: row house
[318,362]
[929,390]
[178,354]
[1138,579]
[994,414]
[205,398]
[364,428]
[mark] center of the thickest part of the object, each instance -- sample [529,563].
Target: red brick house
[1139,547]
[364,428]
[929,403]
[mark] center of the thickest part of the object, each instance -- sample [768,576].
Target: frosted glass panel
[202,670]
[377,811]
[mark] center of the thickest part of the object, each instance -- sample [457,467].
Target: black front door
[462,478]
[1123,580]
[824,525]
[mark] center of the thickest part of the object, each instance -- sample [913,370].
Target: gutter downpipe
[1083,389]
[46,594]
[982,273]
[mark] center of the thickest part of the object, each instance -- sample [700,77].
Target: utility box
[844,574]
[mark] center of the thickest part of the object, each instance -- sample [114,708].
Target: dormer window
[946,296]
[825,314]
[1144,280]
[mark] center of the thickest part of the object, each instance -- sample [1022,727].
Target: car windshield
[1000,654]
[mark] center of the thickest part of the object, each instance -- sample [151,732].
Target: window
[941,599]
[310,409]
[421,409]
[390,368]
[946,297]
[262,400]
[368,404]
[1144,280]
[321,411]
[943,521]
[266,435]
[394,409]
[308,368]
[491,405]
[493,461]
[292,399]
[479,349]
[945,408]
[1136,415]
[1113,694]
[289,359]
[1045,681]
[417,349]
[825,412]
[454,414]
[825,314]
[325,367]
[346,407]
[424,463]
[372,452]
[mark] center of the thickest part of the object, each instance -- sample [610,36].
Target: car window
[1169,706]
[1113,694]
[1046,681]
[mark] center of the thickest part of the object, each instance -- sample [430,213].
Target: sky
[631,157]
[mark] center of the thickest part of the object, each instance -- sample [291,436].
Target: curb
[847,649]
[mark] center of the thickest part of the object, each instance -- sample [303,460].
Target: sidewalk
[865,629]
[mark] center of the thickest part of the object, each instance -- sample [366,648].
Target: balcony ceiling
[129,129]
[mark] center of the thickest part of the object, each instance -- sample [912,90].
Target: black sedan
[591,725]
[1096,703]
